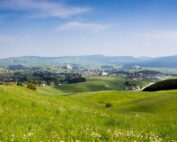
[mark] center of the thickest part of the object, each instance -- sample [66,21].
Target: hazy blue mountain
[92,59]
[170,61]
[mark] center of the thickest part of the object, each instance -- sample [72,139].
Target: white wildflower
[13,135]
[30,134]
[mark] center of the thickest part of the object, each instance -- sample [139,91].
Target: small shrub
[19,84]
[31,86]
[108,105]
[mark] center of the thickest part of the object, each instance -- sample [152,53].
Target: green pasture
[48,115]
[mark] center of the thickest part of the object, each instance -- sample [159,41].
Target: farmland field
[50,114]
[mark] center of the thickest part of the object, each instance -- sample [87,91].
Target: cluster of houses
[8,83]
[128,75]
[141,76]
[89,74]
[25,84]
[94,73]
[41,78]
[133,88]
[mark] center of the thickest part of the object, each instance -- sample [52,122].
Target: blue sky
[86,27]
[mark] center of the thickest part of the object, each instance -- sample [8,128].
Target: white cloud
[42,8]
[82,26]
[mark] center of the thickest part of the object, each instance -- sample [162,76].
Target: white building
[43,85]
[104,74]
[69,66]
[137,67]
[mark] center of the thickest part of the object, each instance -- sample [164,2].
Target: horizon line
[88,55]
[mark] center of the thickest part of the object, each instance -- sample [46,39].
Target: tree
[31,86]
[127,83]
[19,84]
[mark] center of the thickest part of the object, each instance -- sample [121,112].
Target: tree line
[169,84]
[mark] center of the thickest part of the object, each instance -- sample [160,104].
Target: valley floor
[49,114]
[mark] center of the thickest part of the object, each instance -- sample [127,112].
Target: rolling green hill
[99,84]
[94,84]
[47,115]
[157,103]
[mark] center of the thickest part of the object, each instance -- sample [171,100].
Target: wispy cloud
[42,8]
[82,26]
[159,34]
[9,39]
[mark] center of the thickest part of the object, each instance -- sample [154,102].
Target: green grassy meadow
[48,114]
[98,84]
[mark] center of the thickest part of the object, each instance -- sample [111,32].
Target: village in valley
[88,70]
[73,73]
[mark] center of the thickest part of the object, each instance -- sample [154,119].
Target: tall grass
[27,115]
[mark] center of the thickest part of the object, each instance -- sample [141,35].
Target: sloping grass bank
[27,115]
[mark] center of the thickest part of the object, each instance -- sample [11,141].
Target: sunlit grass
[27,115]
[98,84]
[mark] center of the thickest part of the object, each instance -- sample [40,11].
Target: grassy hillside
[164,70]
[98,84]
[27,115]
[92,86]
[156,103]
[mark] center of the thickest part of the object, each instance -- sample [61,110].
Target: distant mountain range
[170,61]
